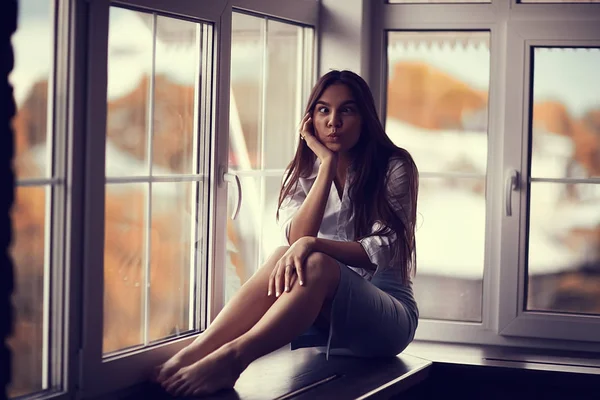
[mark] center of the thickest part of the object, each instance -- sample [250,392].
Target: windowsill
[507,357]
[306,374]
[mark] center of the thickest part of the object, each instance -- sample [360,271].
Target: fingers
[306,127]
[271,288]
[289,273]
[283,276]
[279,278]
[300,272]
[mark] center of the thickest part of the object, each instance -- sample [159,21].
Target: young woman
[347,209]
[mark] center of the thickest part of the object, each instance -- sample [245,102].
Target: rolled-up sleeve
[380,248]
[289,207]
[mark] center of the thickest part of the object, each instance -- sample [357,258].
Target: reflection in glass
[243,235]
[437,106]
[246,108]
[264,118]
[253,236]
[124,260]
[282,94]
[129,68]
[176,71]
[450,248]
[170,259]
[566,113]
[564,248]
[28,216]
[33,57]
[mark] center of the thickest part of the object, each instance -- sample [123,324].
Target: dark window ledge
[507,357]
[306,374]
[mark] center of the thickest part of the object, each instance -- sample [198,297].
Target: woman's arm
[308,218]
[307,221]
[349,253]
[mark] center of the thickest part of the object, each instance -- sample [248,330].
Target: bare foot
[170,367]
[187,356]
[219,370]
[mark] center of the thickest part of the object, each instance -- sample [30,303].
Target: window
[156,197]
[271,70]
[437,108]
[498,106]
[564,206]
[37,209]
[117,257]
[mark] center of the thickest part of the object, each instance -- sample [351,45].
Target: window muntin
[271,63]
[437,108]
[36,182]
[155,198]
[564,199]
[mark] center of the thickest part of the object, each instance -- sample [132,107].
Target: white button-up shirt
[338,219]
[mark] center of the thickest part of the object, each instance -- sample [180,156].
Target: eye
[322,109]
[347,110]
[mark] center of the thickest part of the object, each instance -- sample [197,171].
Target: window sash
[504,141]
[100,375]
[513,320]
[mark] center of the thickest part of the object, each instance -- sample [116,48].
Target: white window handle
[233,178]
[512,184]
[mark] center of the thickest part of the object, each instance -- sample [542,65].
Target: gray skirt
[375,318]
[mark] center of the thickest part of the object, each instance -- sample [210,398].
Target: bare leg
[244,310]
[288,317]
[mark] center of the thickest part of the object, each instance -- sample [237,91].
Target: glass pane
[124,260]
[129,67]
[437,108]
[450,248]
[27,251]
[564,248]
[271,234]
[437,98]
[243,236]
[247,70]
[437,1]
[566,113]
[176,74]
[33,52]
[170,258]
[283,94]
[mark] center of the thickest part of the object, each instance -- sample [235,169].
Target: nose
[334,120]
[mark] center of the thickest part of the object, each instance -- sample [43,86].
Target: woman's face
[336,119]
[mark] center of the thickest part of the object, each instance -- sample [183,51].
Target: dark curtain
[8,25]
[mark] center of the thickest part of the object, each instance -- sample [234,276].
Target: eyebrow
[343,104]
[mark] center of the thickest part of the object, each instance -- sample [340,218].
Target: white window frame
[59,179]
[501,323]
[523,37]
[301,12]
[100,376]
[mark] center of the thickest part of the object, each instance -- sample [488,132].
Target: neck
[344,161]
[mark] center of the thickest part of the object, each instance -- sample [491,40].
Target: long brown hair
[367,189]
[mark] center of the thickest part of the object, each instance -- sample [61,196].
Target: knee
[321,267]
